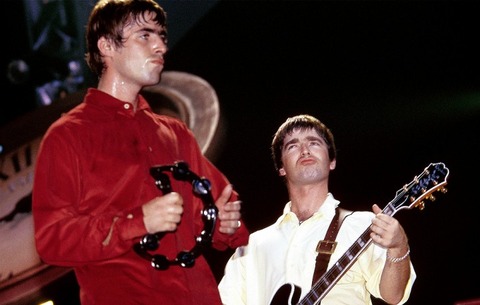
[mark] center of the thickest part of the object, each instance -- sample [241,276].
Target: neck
[307,200]
[121,90]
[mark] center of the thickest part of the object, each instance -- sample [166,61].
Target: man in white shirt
[304,153]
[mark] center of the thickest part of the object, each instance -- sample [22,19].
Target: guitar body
[288,294]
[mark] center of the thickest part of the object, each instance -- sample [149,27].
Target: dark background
[397,82]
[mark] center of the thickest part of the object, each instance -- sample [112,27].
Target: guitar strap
[326,246]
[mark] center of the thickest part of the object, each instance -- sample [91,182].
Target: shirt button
[130,216]
[126,106]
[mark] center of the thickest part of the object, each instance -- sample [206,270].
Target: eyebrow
[315,138]
[294,140]
[149,29]
[309,138]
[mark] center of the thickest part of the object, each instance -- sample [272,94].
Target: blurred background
[398,82]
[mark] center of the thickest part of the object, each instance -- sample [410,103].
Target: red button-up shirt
[91,179]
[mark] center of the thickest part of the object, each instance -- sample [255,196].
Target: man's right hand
[163,213]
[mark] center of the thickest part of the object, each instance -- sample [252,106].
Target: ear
[281,172]
[105,46]
[333,164]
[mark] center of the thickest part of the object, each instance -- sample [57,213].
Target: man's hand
[388,233]
[163,213]
[228,212]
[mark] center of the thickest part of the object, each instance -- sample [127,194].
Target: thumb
[225,195]
[376,209]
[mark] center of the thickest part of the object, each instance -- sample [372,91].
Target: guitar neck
[333,275]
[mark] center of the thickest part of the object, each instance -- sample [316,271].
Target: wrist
[400,258]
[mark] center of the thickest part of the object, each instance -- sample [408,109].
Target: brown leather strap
[326,247]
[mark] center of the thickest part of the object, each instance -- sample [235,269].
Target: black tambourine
[200,187]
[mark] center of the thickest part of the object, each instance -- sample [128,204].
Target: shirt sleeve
[231,286]
[56,194]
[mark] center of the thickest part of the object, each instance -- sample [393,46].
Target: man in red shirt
[96,206]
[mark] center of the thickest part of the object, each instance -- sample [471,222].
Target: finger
[174,215]
[233,206]
[225,195]
[231,210]
[174,198]
[376,209]
[231,215]
[234,224]
[376,238]
[230,226]
[170,226]
[227,230]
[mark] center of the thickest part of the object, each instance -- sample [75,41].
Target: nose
[305,150]
[161,46]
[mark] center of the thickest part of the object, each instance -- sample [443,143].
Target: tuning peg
[443,190]
[421,205]
[431,198]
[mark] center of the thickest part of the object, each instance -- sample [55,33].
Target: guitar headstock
[421,188]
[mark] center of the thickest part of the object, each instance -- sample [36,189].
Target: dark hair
[108,19]
[302,122]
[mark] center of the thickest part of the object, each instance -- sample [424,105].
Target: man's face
[141,59]
[305,157]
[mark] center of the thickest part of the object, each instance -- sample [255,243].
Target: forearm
[395,275]
[75,240]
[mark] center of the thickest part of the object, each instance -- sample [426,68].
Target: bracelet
[398,259]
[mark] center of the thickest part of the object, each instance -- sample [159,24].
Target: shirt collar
[327,208]
[111,104]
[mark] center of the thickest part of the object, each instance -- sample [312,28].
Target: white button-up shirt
[285,252]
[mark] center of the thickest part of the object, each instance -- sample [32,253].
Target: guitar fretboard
[326,282]
[331,276]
